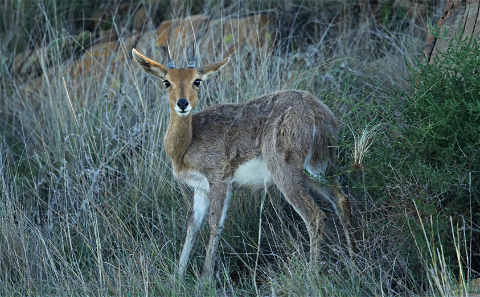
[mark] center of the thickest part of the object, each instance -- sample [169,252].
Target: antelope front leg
[220,195]
[195,220]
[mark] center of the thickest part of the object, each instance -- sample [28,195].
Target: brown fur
[284,129]
[277,123]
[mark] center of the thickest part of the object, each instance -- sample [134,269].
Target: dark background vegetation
[88,203]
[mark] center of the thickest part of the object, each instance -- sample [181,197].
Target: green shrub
[443,110]
[426,160]
[441,128]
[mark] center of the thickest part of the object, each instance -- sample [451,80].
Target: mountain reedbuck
[270,140]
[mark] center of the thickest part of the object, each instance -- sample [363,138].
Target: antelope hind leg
[341,205]
[293,184]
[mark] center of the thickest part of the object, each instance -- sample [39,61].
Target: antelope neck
[178,138]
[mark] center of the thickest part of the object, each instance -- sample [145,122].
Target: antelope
[269,140]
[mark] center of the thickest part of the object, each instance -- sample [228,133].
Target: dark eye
[197,82]
[166,83]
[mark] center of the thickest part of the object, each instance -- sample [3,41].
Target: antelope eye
[197,82]
[166,83]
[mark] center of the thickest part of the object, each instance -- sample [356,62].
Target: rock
[100,62]
[93,61]
[144,19]
[163,33]
[28,64]
[460,15]
[32,63]
[186,30]
[475,284]
[148,45]
[416,9]
[211,43]
[255,31]
[102,67]
[107,36]
[141,19]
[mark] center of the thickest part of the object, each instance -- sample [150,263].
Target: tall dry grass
[88,204]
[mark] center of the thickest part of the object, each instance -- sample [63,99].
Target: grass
[88,204]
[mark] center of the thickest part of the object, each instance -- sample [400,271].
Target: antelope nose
[182,104]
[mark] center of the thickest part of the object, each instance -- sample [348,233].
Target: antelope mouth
[183,112]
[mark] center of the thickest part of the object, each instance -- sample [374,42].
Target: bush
[427,158]
[443,112]
[442,125]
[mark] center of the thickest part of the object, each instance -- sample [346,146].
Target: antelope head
[182,84]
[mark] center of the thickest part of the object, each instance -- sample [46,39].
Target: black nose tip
[182,104]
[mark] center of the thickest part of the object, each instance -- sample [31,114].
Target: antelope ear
[209,70]
[151,67]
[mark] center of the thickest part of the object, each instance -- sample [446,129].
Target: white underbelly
[252,175]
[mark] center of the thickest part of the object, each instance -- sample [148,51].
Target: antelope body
[269,140]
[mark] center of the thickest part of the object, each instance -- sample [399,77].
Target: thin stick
[259,239]
[70,101]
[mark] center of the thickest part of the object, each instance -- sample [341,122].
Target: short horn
[170,62]
[191,64]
